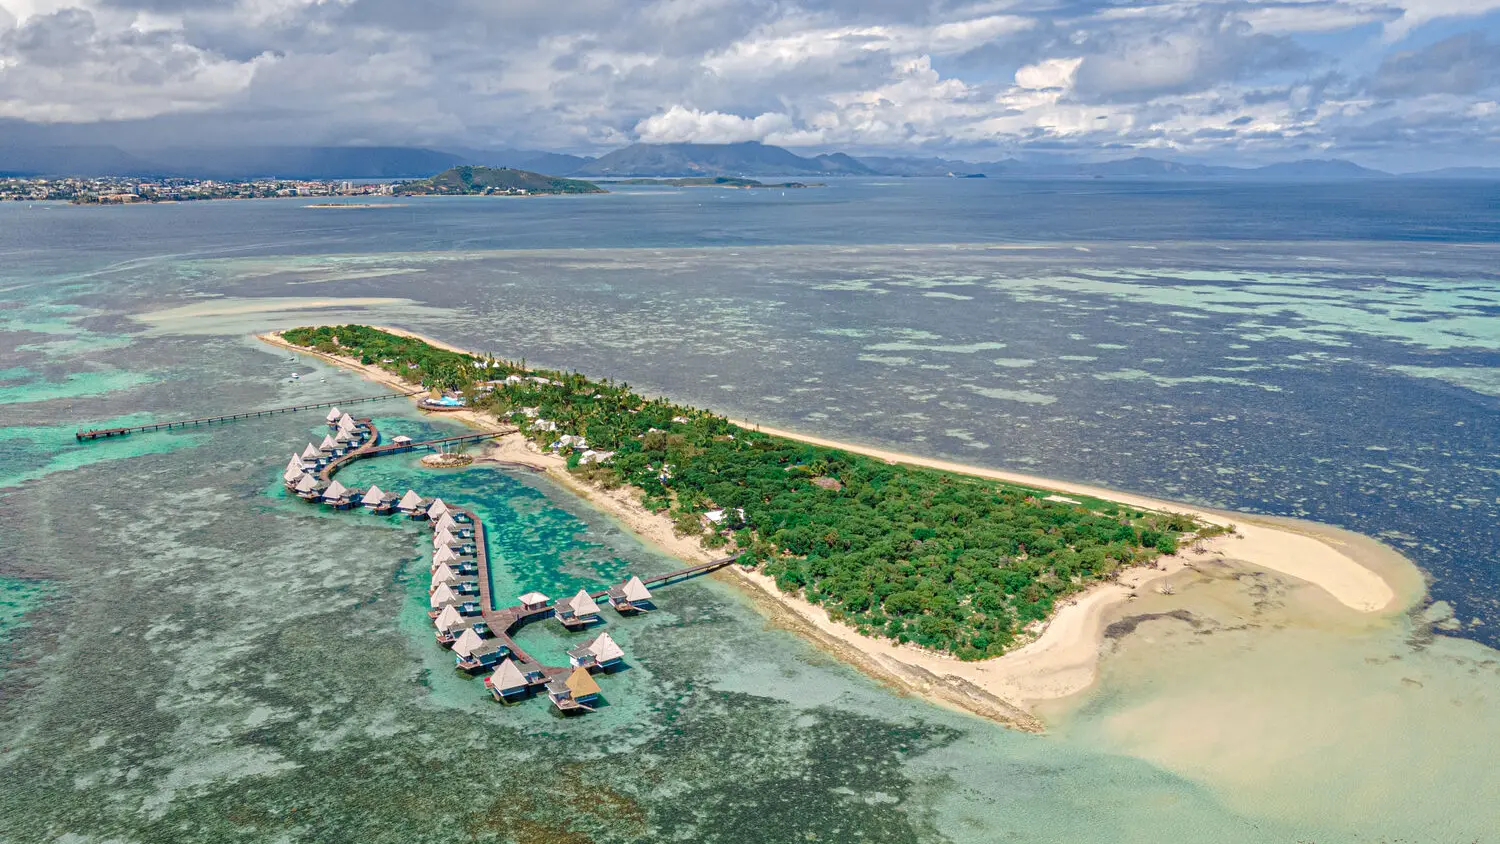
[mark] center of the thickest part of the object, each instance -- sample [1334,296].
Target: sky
[1399,84]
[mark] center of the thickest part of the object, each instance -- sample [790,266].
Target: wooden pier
[106,433]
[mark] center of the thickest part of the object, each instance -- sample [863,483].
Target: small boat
[296,377]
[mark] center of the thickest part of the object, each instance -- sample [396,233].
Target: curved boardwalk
[502,622]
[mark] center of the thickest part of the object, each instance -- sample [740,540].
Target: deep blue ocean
[1330,352]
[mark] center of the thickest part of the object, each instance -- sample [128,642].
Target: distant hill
[1314,170]
[1489,174]
[467,180]
[745,159]
[71,161]
[534,160]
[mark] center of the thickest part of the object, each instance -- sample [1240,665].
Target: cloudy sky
[1404,84]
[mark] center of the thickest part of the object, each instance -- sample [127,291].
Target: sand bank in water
[1063,660]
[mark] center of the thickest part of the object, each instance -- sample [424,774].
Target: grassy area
[952,562]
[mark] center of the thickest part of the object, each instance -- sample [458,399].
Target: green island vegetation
[490,181]
[954,563]
[718,182]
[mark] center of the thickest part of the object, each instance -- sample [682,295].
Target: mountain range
[740,159]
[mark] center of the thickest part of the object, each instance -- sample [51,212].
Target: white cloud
[684,125]
[1050,73]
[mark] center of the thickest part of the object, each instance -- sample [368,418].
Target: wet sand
[1362,577]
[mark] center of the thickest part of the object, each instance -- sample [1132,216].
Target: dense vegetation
[471,181]
[952,562]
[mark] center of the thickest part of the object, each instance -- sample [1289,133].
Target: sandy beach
[1359,574]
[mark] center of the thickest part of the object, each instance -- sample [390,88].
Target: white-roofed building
[578,610]
[437,509]
[444,596]
[507,681]
[333,416]
[410,502]
[533,601]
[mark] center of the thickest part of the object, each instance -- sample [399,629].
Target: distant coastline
[1062,658]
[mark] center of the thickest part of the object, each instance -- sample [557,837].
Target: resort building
[444,596]
[507,682]
[486,654]
[333,416]
[309,488]
[578,610]
[601,652]
[445,554]
[533,601]
[402,440]
[436,510]
[576,692]
[444,522]
[311,454]
[630,597]
[411,505]
[376,499]
[337,494]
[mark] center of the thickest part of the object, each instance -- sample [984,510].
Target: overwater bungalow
[575,692]
[577,611]
[444,554]
[436,509]
[444,539]
[533,601]
[444,596]
[473,652]
[451,624]
[402,440]
[312,456]
[444,521]
[411,505]
[293,473]
[600,652]
[378,500]
[338,495]
[333,417]
[331,447]
[507,682]
[632,596]
[309,488]
[443,575]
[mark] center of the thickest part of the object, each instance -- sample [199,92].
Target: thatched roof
[582,604]
[443,596]
[336,490]
[508,677]
[308,483]
[605,649]
[467,642]
[333,415]
[409,501]
[534,598]
[446,523]
[444,554]
[635,590]
[328,444]
[443,537]
[311,452]
[449,618]
[437,509]
[582,684]
[373,495]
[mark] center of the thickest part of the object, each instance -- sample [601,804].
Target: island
[717,182]
[492,181]
[977,588]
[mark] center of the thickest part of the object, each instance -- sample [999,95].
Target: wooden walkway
[106,433]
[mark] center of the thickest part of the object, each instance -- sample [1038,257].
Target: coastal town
[114,190]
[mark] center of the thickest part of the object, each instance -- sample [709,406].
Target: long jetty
[107,433]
